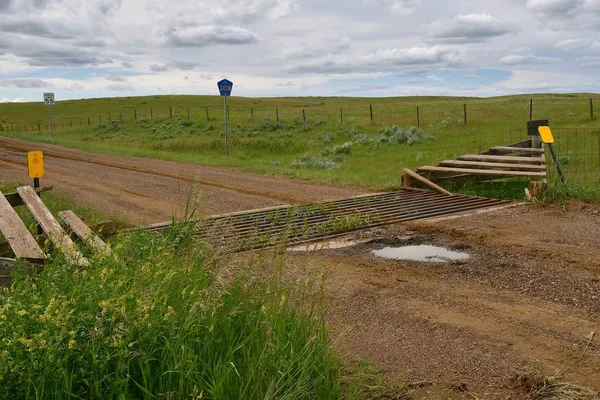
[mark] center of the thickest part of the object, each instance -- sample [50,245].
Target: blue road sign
[225,87]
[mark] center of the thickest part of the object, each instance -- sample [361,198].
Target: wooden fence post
[418,118]
[591,109]
[371,111]
[170,111]
[151,116]
[303,115]
[89,122]
[39,127]
[465,112]
[188,114]
[135,113]
[251,114]
[341,116]
[277,114]
[207,117]
[531,109]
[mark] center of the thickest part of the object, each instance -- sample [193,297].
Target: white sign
[49,98]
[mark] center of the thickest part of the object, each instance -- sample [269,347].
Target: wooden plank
[16,233]
[484,165]
[83,231]
[426,181]
[502,159]
[504,149]
[530,174]
[15,200]
[51,227]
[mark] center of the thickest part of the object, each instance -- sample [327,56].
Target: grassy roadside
[319,147]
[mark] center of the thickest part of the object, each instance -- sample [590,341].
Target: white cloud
[555,8]
[527,59]
[571,44]
[469,28]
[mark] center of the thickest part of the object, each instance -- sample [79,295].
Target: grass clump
[162,318]
[542,387]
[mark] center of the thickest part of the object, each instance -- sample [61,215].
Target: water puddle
[331,244]
[425,253]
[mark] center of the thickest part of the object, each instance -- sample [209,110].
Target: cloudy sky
[100,48]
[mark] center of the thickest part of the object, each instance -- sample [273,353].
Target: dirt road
[528,297]
[146,190]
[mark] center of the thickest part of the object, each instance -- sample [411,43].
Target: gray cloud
[114,78]
[468,28]
[159,68]
[284,84]
[26,83]
[572,44]
[36,28]
[411,61]
[206,77]
[127,64]
[527,59]
[206,35]
[559,9]
[337,47]
[183,65]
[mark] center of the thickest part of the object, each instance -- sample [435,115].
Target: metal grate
[291,225]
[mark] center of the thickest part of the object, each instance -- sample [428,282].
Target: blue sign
[225,87]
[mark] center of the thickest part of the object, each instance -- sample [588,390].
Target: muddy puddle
[423,253]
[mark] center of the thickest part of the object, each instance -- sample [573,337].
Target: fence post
[591,109]
[150,113]
[207,117]
[371,111]
[170,112]
[89,122]
[531,109]
[304,115]
[63,124]
[188,114]
[135,114]
[277,114]
[418,118]
[252,114]
[39,127]
[341,116]
[465,112]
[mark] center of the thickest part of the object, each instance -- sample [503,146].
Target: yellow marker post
[35,162]
[546,134]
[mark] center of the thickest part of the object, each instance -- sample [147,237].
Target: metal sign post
[49,101]
[225,87]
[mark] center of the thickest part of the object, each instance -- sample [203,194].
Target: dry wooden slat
[504,149]
[503,159]
[15,200]
[16,233]
[51,227]
[530,174]
[426,181]
[83,231]
[484,165]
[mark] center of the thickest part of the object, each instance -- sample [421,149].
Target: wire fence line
[416,115]
[577,151]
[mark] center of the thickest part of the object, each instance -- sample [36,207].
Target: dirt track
[529,296]
[146,190]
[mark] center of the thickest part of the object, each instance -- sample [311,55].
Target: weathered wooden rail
[22,242]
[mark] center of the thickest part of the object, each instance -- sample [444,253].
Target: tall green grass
[163,318]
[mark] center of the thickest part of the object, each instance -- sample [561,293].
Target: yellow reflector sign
[35,162]
[546,134]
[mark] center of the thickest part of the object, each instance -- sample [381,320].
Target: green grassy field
[354,151]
